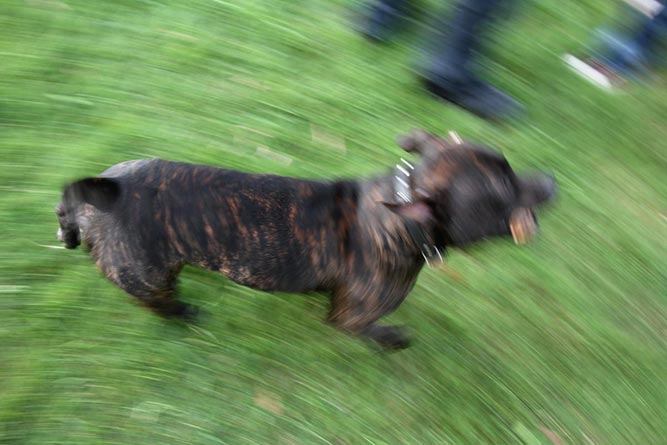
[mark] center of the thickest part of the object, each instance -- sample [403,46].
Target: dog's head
[468,192]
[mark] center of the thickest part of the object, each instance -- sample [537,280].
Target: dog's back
[264,231]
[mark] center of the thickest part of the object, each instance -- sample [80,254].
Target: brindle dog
[364,241]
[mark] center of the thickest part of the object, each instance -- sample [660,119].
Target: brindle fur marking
[144,220]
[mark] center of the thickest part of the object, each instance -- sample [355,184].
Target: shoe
[477,97]
[596,72]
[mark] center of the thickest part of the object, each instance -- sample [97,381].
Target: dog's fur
[144,220]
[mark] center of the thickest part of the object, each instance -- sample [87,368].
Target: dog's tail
[101,193]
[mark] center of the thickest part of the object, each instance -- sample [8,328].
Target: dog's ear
[415,141]
[103,193]
[423,142]
[419,211]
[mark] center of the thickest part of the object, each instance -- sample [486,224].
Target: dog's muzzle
[523,225]
[71,238]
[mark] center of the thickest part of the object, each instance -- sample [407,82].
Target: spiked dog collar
[404,195]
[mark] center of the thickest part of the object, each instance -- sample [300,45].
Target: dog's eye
[507,183]
[508,190]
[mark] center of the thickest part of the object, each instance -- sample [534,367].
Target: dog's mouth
[71,238]
[523,225]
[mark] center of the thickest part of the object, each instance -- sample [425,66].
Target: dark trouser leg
[652,29]
[448,72]
[634,51]
[383,17]
[649,36]
[458,37]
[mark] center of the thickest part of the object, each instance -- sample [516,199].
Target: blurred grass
[561,342]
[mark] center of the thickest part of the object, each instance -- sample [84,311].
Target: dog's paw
[390,338]
[188,313]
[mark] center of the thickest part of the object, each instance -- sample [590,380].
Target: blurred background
[563,341]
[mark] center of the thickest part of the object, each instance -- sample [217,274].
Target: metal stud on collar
[428,253]
[402,185]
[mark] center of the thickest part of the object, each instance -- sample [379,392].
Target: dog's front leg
[357,313]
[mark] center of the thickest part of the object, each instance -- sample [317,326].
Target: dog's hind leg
[359,315]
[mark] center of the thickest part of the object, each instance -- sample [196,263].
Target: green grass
[563,341]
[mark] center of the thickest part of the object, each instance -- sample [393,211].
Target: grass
[561,342]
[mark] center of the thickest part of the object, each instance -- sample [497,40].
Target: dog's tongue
[523,225]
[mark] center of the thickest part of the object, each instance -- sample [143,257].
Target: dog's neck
[407,236]
[422,236]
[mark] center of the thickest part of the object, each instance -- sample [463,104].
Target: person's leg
[621,56]
[383,17]
[458,36]
[449,69]
[632,53]
[648,36]
[651,29]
